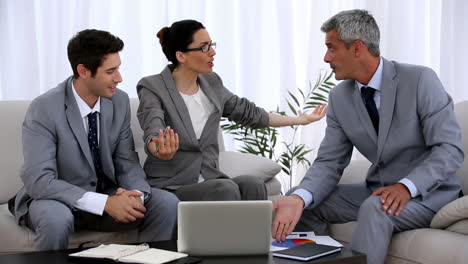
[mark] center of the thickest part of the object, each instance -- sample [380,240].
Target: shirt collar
[376,80]
[83,106]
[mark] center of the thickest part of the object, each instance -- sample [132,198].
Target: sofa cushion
[460,227]
[273,187]
[452,212]
[235,164]
[12,116]
[412,246]
[15,238]
[356,171]
[342,232]
[416,246]
[461,113]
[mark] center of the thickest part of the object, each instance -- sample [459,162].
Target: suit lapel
[179,103]
[209,92]
[387,103]
[363,114]
[105,123]
[76,122]
[213,119]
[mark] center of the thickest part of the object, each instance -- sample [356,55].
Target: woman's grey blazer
[162,105]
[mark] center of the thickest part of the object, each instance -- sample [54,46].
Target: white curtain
[265,47]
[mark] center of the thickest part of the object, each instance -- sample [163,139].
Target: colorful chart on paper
[290,243]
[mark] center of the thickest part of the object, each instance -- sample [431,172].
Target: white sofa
[14,238]
[447,239]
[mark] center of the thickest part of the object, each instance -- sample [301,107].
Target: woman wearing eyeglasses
[180,111]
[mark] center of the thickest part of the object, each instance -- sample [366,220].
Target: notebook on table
[130,254]
[307,251]
[224,227]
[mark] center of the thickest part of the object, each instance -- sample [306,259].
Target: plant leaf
[294,98]
[292,108]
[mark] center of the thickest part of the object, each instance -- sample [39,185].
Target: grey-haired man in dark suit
[402,120]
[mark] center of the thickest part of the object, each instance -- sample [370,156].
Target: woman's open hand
[166,145]
[318,113]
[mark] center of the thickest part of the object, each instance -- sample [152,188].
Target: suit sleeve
[150,114]
[128,171]
[333,156]
[242,111]
[441,134]
[39,171]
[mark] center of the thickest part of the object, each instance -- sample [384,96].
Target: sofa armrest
[451,213]
[460,227]
[235,164]
[273,187]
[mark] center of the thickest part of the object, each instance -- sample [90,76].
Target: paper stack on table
[300,238]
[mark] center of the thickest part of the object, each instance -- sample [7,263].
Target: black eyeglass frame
[202,48]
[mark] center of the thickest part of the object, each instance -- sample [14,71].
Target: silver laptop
[224,227]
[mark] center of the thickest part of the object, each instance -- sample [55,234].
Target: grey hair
[354,25]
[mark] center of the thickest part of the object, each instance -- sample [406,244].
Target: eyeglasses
[205,48]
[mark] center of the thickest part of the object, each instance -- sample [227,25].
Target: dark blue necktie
[367,94]
[94,147]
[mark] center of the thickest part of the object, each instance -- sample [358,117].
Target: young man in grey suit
[401,119]
[80,168]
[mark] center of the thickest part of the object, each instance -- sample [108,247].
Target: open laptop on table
[224,227]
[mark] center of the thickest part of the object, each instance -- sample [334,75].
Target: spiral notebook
[130,254]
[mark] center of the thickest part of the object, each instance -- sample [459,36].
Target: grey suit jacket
[57,160]
[419,137]
[162,105]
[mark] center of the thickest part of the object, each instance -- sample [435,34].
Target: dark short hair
[89,47]
[177,37]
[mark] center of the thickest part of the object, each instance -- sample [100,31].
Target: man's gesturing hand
[393,197]
[288,211]
[125,206]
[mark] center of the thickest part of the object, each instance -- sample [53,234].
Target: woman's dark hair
[89,47]
[177,37]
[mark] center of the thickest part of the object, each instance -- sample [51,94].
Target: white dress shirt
[199,108]
[376,83]
[91,202]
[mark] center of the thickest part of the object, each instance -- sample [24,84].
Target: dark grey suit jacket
[419,137]
[162,105]
[57,160]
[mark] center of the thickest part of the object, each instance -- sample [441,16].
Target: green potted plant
[264,141]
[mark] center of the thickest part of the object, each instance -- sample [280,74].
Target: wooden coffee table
[346,256]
